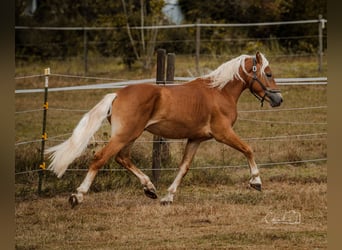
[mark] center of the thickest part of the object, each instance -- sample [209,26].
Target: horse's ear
[258,57]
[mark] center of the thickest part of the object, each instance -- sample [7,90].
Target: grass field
[213,208]
[204,216]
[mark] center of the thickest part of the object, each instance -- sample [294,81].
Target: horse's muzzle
[274,98]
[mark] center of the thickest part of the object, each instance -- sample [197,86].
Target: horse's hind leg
[99,160]
[123,158]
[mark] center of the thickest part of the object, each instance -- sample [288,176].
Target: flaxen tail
[64,154]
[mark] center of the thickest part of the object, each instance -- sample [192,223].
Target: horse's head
[260,80]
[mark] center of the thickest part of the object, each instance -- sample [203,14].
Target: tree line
[139,45]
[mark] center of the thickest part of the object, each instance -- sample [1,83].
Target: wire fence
[312,136]
[205,40]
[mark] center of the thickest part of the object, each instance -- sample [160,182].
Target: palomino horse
[198,110]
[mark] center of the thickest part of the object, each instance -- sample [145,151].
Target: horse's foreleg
[99,160]
[123,158]
[231,139]
[190,150]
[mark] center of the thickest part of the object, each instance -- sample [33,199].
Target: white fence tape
[114,85]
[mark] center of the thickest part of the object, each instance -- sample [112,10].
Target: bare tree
[129,31]
[144,46]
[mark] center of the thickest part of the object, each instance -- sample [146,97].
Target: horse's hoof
[165,202]
[150,193]
[256,186]
[73,201]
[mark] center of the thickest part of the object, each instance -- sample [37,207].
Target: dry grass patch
[220,217]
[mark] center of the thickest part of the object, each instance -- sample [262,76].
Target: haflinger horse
[198,110]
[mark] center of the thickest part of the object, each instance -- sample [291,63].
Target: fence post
[85,51]
[170,67]
[320,42]
[198,45]
[170,73]
[44,134]
[156,155]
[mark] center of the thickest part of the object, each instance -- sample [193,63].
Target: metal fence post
[320,42]
[44,134]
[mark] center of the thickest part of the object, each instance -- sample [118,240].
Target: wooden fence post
[198,45]
[170,74]
[156,154]
[170,68]
[85,51]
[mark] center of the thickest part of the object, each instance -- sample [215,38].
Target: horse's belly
[178,130]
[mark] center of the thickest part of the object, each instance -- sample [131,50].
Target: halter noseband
[266,90]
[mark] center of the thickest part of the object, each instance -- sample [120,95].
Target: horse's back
[181,100]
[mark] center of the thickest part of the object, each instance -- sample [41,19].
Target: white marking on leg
[255,175]
[144,179]
[255,180]
[79,197]
[173,187]
[88,180]
[167,199]
[190,151]
[84,187]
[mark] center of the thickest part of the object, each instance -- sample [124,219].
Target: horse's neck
[234,89]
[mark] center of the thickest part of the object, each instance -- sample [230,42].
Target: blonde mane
[230,70]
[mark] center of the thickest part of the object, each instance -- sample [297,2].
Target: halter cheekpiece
[266,90]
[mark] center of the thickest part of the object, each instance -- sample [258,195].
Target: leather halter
[267,91]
